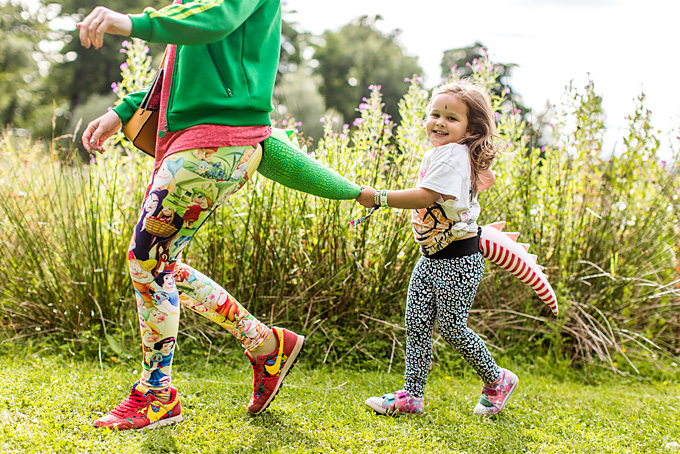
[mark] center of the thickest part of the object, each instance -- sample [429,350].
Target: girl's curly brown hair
[481,128]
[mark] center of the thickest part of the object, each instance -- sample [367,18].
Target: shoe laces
[132,402]
[257,371]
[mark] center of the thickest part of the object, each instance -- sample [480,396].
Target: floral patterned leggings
[442,290]
[183,192]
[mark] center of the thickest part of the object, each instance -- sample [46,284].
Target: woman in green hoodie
[215,101]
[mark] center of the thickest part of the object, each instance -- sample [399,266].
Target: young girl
[444,206]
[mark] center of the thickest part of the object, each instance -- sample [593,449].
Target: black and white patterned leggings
[443,290]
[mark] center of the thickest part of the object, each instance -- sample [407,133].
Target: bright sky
[626,46]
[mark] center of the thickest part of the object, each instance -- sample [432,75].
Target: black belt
[456,249]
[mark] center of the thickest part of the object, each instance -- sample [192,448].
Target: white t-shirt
[445,170]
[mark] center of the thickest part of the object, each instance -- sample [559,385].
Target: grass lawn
[48,404]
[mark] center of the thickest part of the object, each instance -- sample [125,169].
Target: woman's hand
[99,130]
[102,20]
[365,197]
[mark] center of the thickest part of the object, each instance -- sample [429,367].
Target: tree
[26,100]
[92,71]
[461,60]
[357,56]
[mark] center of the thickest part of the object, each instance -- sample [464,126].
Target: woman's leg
[185,190]
[456,288]
[202,295]
[191,185]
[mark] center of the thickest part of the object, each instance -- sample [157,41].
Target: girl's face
[447,120]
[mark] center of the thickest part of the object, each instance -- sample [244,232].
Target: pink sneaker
[396,403]
[496,395]
[270,370]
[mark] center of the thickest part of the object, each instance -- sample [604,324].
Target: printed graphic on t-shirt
[432,230]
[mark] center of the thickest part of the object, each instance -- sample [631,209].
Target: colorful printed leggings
[442,290]
[183,192]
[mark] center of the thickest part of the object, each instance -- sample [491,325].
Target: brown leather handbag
[141,129]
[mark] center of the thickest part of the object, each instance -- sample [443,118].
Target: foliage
[93,69]
[605,228]
[462,60]
[27,100]
[48,403]
[359,55]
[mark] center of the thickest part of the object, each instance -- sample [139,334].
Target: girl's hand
[99,130]
[102,20]
[365,197]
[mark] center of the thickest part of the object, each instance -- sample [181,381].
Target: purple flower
[358,121]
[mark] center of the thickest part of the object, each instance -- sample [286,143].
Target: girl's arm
[407,199]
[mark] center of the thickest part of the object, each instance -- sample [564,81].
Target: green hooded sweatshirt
[226,61]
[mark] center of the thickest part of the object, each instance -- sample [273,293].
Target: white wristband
[383,198]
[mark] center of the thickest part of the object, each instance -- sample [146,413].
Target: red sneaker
[270,370]
[142,410]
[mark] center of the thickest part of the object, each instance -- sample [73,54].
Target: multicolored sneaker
[270,370]
[397,403]
[142,410]
[496,395]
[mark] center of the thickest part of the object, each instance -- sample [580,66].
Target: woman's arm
[102,20]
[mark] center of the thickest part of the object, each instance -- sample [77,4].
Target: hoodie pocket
[220,73]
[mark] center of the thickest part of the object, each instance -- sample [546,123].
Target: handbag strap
[158,78]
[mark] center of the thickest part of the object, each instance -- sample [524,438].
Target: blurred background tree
[55,86]
[28,47]
[461,60]
[357,56]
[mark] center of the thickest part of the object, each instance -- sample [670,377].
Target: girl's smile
[447,120]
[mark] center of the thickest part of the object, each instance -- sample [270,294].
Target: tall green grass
[605,227]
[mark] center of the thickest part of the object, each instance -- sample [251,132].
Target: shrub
[605,227]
